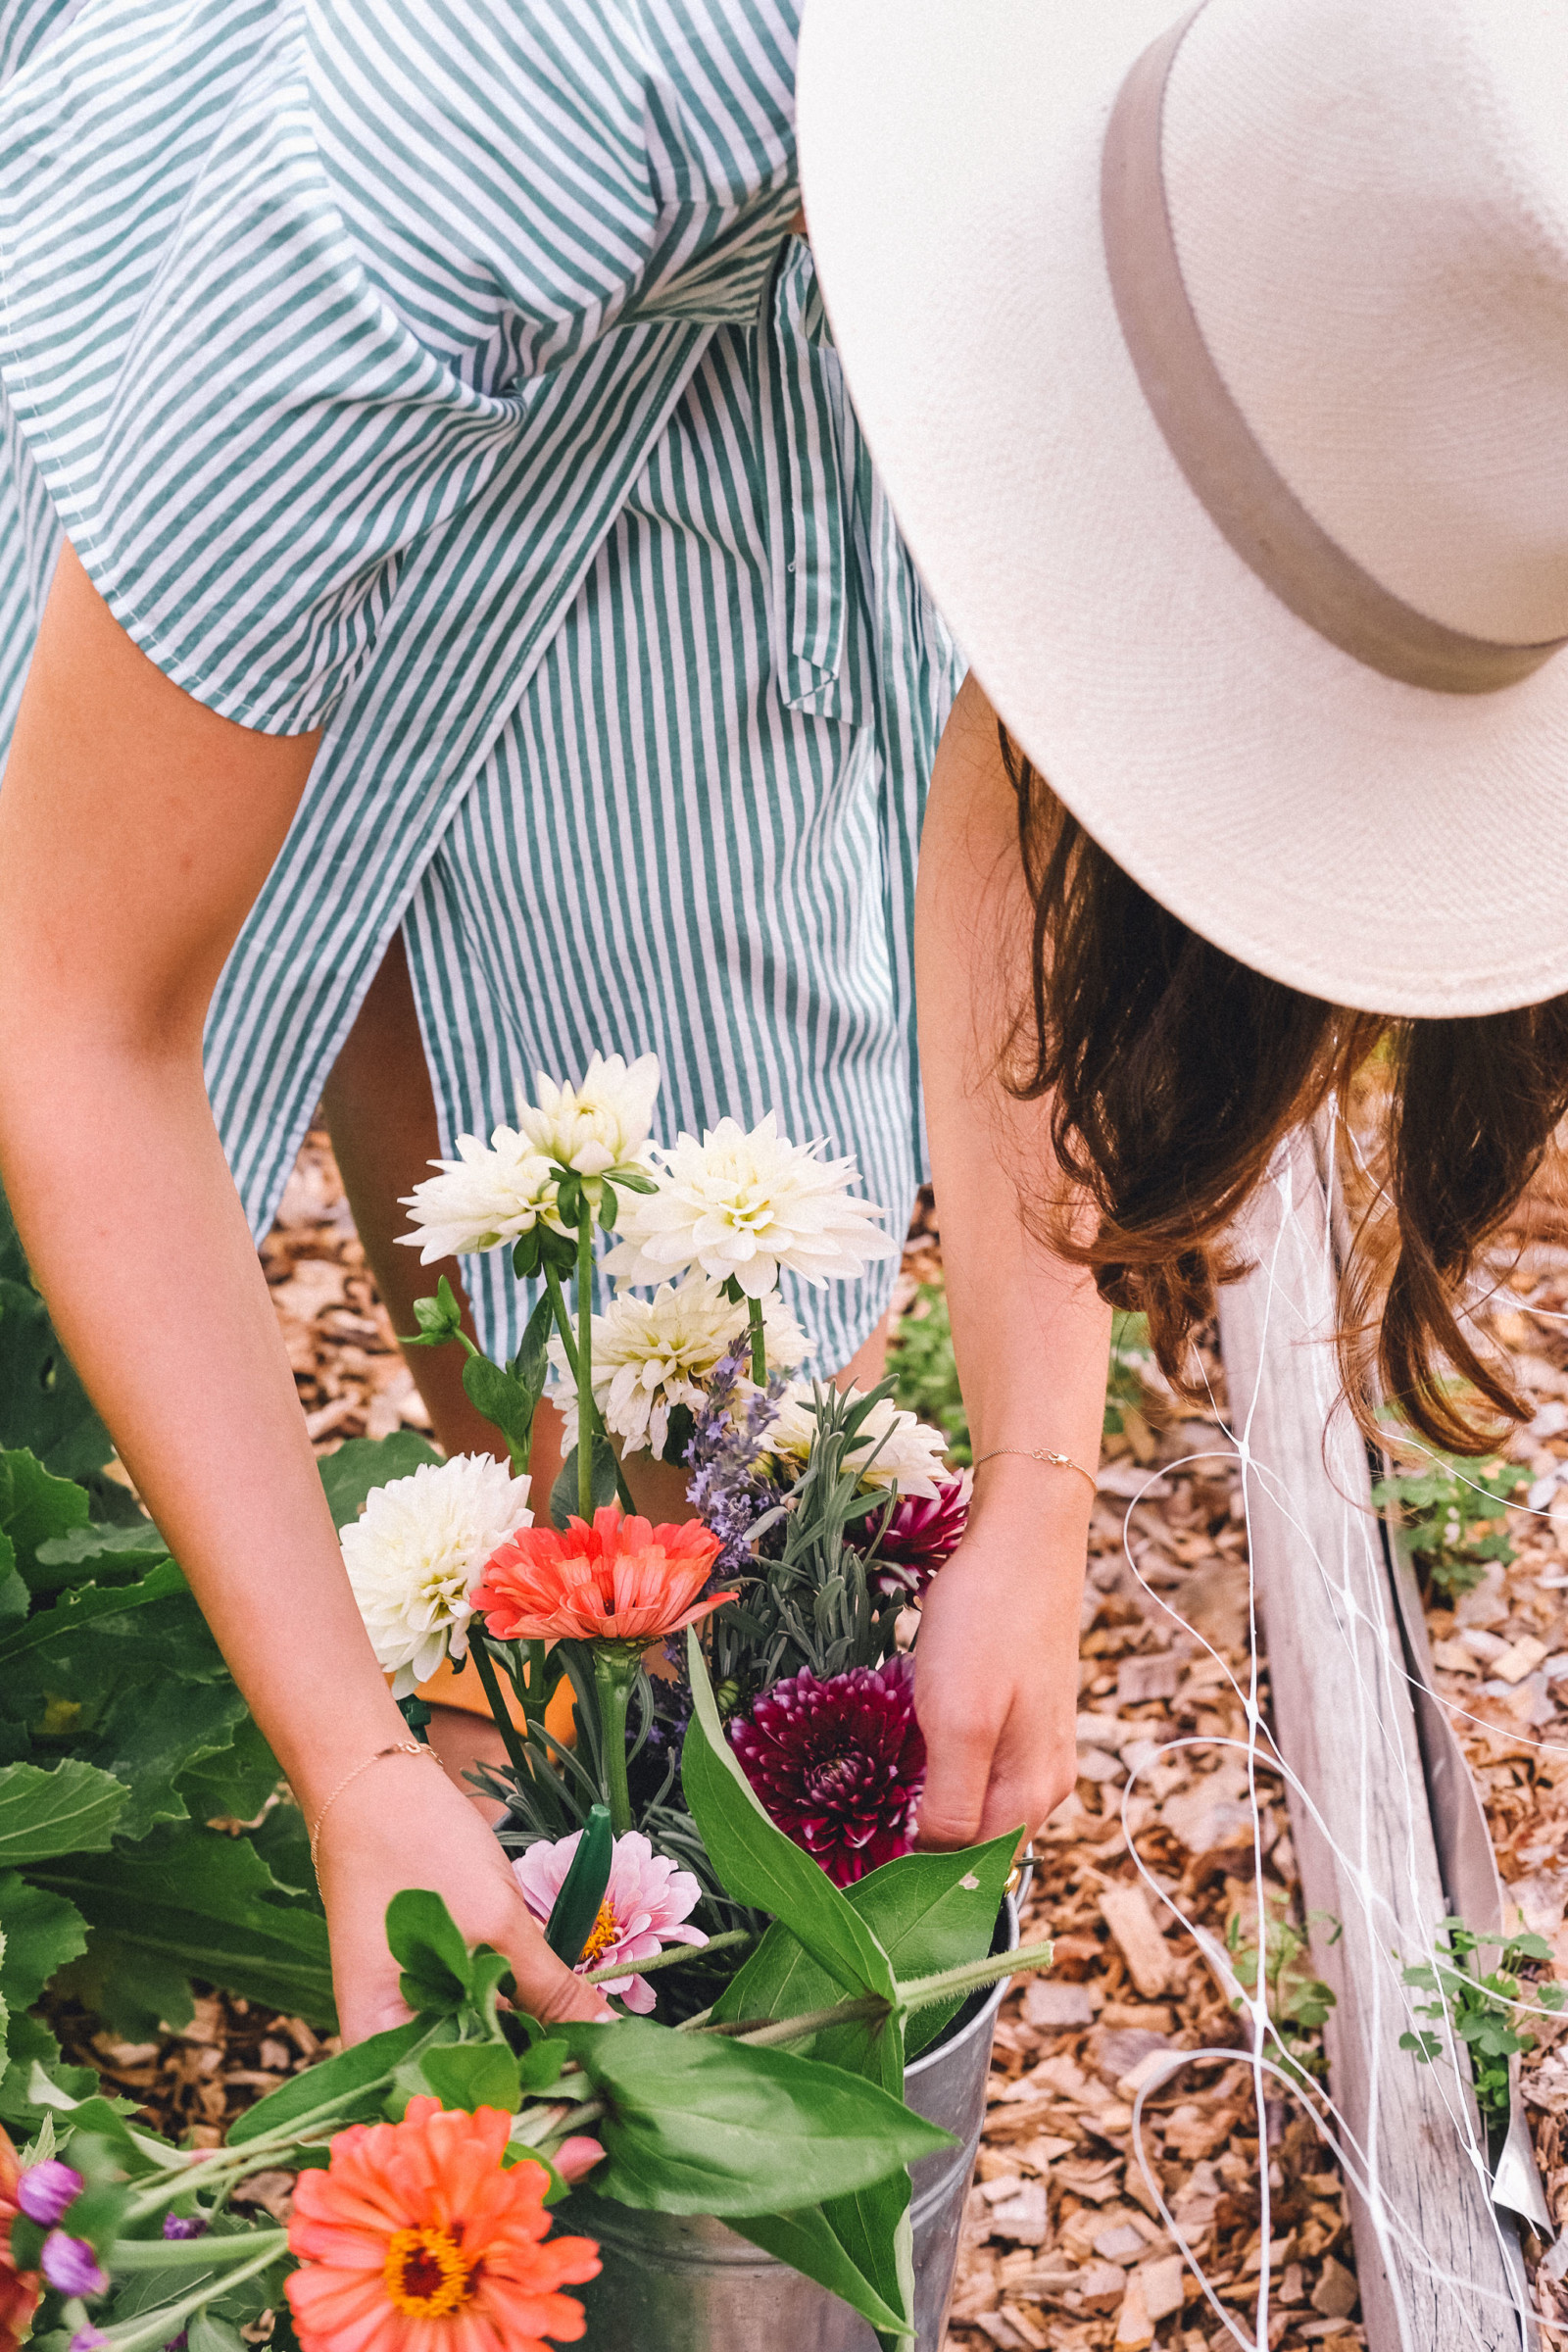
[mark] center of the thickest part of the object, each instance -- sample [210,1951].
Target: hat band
[1214,446]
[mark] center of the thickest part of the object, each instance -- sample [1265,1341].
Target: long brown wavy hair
[1173,1071]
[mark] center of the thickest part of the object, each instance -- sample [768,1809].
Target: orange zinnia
[19,2289]
[415,2239]
[619,1579]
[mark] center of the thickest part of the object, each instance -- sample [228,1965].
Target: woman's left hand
[996,1680]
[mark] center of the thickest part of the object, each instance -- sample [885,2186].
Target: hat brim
[1375,844]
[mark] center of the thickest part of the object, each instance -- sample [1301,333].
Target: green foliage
[1297,2002]
[350,1474]
[1131,1361]
[924,1375]
[582,1889]
[1451,1517]
[1482,2008]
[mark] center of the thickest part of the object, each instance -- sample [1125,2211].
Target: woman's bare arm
[136,829]
[997,1663]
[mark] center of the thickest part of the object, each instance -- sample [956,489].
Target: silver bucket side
[680,2284]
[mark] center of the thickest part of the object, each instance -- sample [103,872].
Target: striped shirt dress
[442,374]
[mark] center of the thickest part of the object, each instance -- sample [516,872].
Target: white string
[1377,1681]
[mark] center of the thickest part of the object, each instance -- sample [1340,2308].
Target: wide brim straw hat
[1365,213]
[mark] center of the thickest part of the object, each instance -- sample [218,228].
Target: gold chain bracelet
[1043,1453]
[399,1747]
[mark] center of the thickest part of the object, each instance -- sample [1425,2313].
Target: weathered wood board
[1430,2249]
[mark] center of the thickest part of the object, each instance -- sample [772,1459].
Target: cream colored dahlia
[653,1355]
[417,1554]
[488,1196]
[892,1448]
[745,1207]
[599,1125]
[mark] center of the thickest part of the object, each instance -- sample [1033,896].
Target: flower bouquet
[721,1839]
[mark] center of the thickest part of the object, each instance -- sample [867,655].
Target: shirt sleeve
[275,285]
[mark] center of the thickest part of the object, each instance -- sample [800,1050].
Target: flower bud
[70,2266]
[45,2189]
[178,2225]
[87,2339]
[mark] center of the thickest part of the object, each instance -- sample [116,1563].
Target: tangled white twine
[1379,1919]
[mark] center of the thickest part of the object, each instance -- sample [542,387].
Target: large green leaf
[30,2045]
[43,1405]
[41,1507]
[108,1550]
[199,1900]
[85,1604]
[701,2124]
[148,1744]
[235,1781]
[365,1462]
[75,1809]
[437,1971]
[40,1932]
[756,1864]
[808,2241]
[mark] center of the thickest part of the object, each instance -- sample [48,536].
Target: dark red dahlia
[839,1764]
[923,1533]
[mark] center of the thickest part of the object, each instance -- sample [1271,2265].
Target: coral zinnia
[619,1579]
[920,1537]
[19,2289]
[838,1764]
[415,2239]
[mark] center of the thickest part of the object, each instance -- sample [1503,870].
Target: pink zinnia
[646,1901]
[619,1579]
[921,1537]
[839,1764]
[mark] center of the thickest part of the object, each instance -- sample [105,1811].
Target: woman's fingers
[547,1988]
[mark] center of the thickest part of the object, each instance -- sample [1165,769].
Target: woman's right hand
[404,1824]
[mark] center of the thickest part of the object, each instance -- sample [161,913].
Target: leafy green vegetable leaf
[473,2075]
[41,1507]
[354,2076]
[437,1972]
[808,2242]
[41,1931]
[84,1604]
[72,1809]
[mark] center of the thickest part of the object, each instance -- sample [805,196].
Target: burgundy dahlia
[923,1533]
[838,1764]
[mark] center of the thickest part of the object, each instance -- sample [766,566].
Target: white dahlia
[418,1550]
[485,1197]
[599,1125]
[653,1355]
[745,1207]
[892,1448]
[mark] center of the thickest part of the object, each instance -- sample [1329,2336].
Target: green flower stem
[671,1958]
[758,1343]
[190,2253]
[563,1314]
[869,2005]
[924,1992]
[150,2329]
[614,1677]
[534,1701]
[516,1751]
[586,1416]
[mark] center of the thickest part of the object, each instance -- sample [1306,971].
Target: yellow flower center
[428,2276]
[605,1928]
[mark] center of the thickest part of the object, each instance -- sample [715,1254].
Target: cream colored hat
[1217,367]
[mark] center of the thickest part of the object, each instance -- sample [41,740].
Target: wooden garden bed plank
[1346,1724]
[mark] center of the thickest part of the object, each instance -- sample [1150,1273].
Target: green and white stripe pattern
[439,373]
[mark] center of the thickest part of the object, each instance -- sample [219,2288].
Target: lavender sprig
[727,1490]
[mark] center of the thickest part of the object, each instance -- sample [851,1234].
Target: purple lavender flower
[70,2265]
[727,1490]
[45,2189]
[175,2224]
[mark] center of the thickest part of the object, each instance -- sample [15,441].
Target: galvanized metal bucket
[671,2284]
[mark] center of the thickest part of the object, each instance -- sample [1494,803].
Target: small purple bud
[87,2339]
[70,2265]
[177,2225]
[45,2189]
